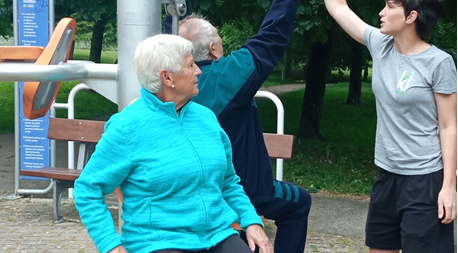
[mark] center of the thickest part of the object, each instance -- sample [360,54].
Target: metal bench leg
[59,187]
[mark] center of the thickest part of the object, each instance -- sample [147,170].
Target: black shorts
[403,214]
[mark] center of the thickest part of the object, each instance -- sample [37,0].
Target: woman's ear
[166,77]
[412,17]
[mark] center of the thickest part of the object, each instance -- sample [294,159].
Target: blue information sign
[33,31]
[33,23]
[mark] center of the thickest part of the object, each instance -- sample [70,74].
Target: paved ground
[26,224]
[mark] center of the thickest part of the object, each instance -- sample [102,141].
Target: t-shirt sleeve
[444,77]
[373,39]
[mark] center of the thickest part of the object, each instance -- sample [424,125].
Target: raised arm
[347,19]
[267,47]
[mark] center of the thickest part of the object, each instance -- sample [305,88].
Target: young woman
[413,201]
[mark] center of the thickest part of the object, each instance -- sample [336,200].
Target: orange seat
[234,225]
[38,96]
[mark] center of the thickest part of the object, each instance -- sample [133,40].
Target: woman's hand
[447,205]
[255,235]
[119,249]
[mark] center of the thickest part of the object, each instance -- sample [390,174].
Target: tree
[315,26]
[6,18]
[369,13]
[220,12]
[317,69]
[356,69]
[287,61]
[100,12]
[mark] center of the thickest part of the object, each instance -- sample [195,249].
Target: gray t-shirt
[407,138]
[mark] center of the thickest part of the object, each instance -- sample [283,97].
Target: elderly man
[227,86]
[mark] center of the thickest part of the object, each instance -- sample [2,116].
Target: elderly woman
[173,163]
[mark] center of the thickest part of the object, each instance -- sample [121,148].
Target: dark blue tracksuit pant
[290,210]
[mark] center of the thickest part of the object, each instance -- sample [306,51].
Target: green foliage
[88,10]
[234,35]
[6,18]
[83,35]
[7,105]
[222,12]
[450,12]
[313,20]
[444,37]
[87,105]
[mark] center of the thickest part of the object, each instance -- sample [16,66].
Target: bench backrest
[90,131]
[278,146]
[75,130]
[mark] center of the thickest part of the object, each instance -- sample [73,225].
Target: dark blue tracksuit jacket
[228,86]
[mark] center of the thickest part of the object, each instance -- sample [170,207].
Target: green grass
[342,162]
[7,105]
[275,79]
[107,56]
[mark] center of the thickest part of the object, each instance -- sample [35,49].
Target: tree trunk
[317,68]
[356,68]
[366,72]
[97,38]
[286,70]
[72,50]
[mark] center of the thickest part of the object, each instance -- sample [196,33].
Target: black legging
[229,245]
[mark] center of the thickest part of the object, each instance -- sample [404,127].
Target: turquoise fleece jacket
[175,173]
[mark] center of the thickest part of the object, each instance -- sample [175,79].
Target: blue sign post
[33,31]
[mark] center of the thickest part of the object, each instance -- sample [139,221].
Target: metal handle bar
[73,70]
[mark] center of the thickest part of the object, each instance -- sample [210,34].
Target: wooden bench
[89,132]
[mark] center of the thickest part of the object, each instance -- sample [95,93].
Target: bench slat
[75,130]
[279,145]
[54,173]
[20,52]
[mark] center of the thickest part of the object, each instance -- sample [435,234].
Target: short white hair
[162,51]
[200,32]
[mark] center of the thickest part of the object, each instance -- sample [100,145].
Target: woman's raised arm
[347,19]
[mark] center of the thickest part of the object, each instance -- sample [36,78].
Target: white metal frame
[280,125]
[70,106]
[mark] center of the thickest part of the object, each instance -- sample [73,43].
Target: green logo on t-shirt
[403,83]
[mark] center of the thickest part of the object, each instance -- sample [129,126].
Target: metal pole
[17,149]
[15,22]
[51,16]
[136,22]
[280,124]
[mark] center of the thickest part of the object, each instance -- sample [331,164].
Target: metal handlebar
[73,70]
[176,9]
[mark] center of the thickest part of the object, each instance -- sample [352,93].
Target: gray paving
[26,224]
